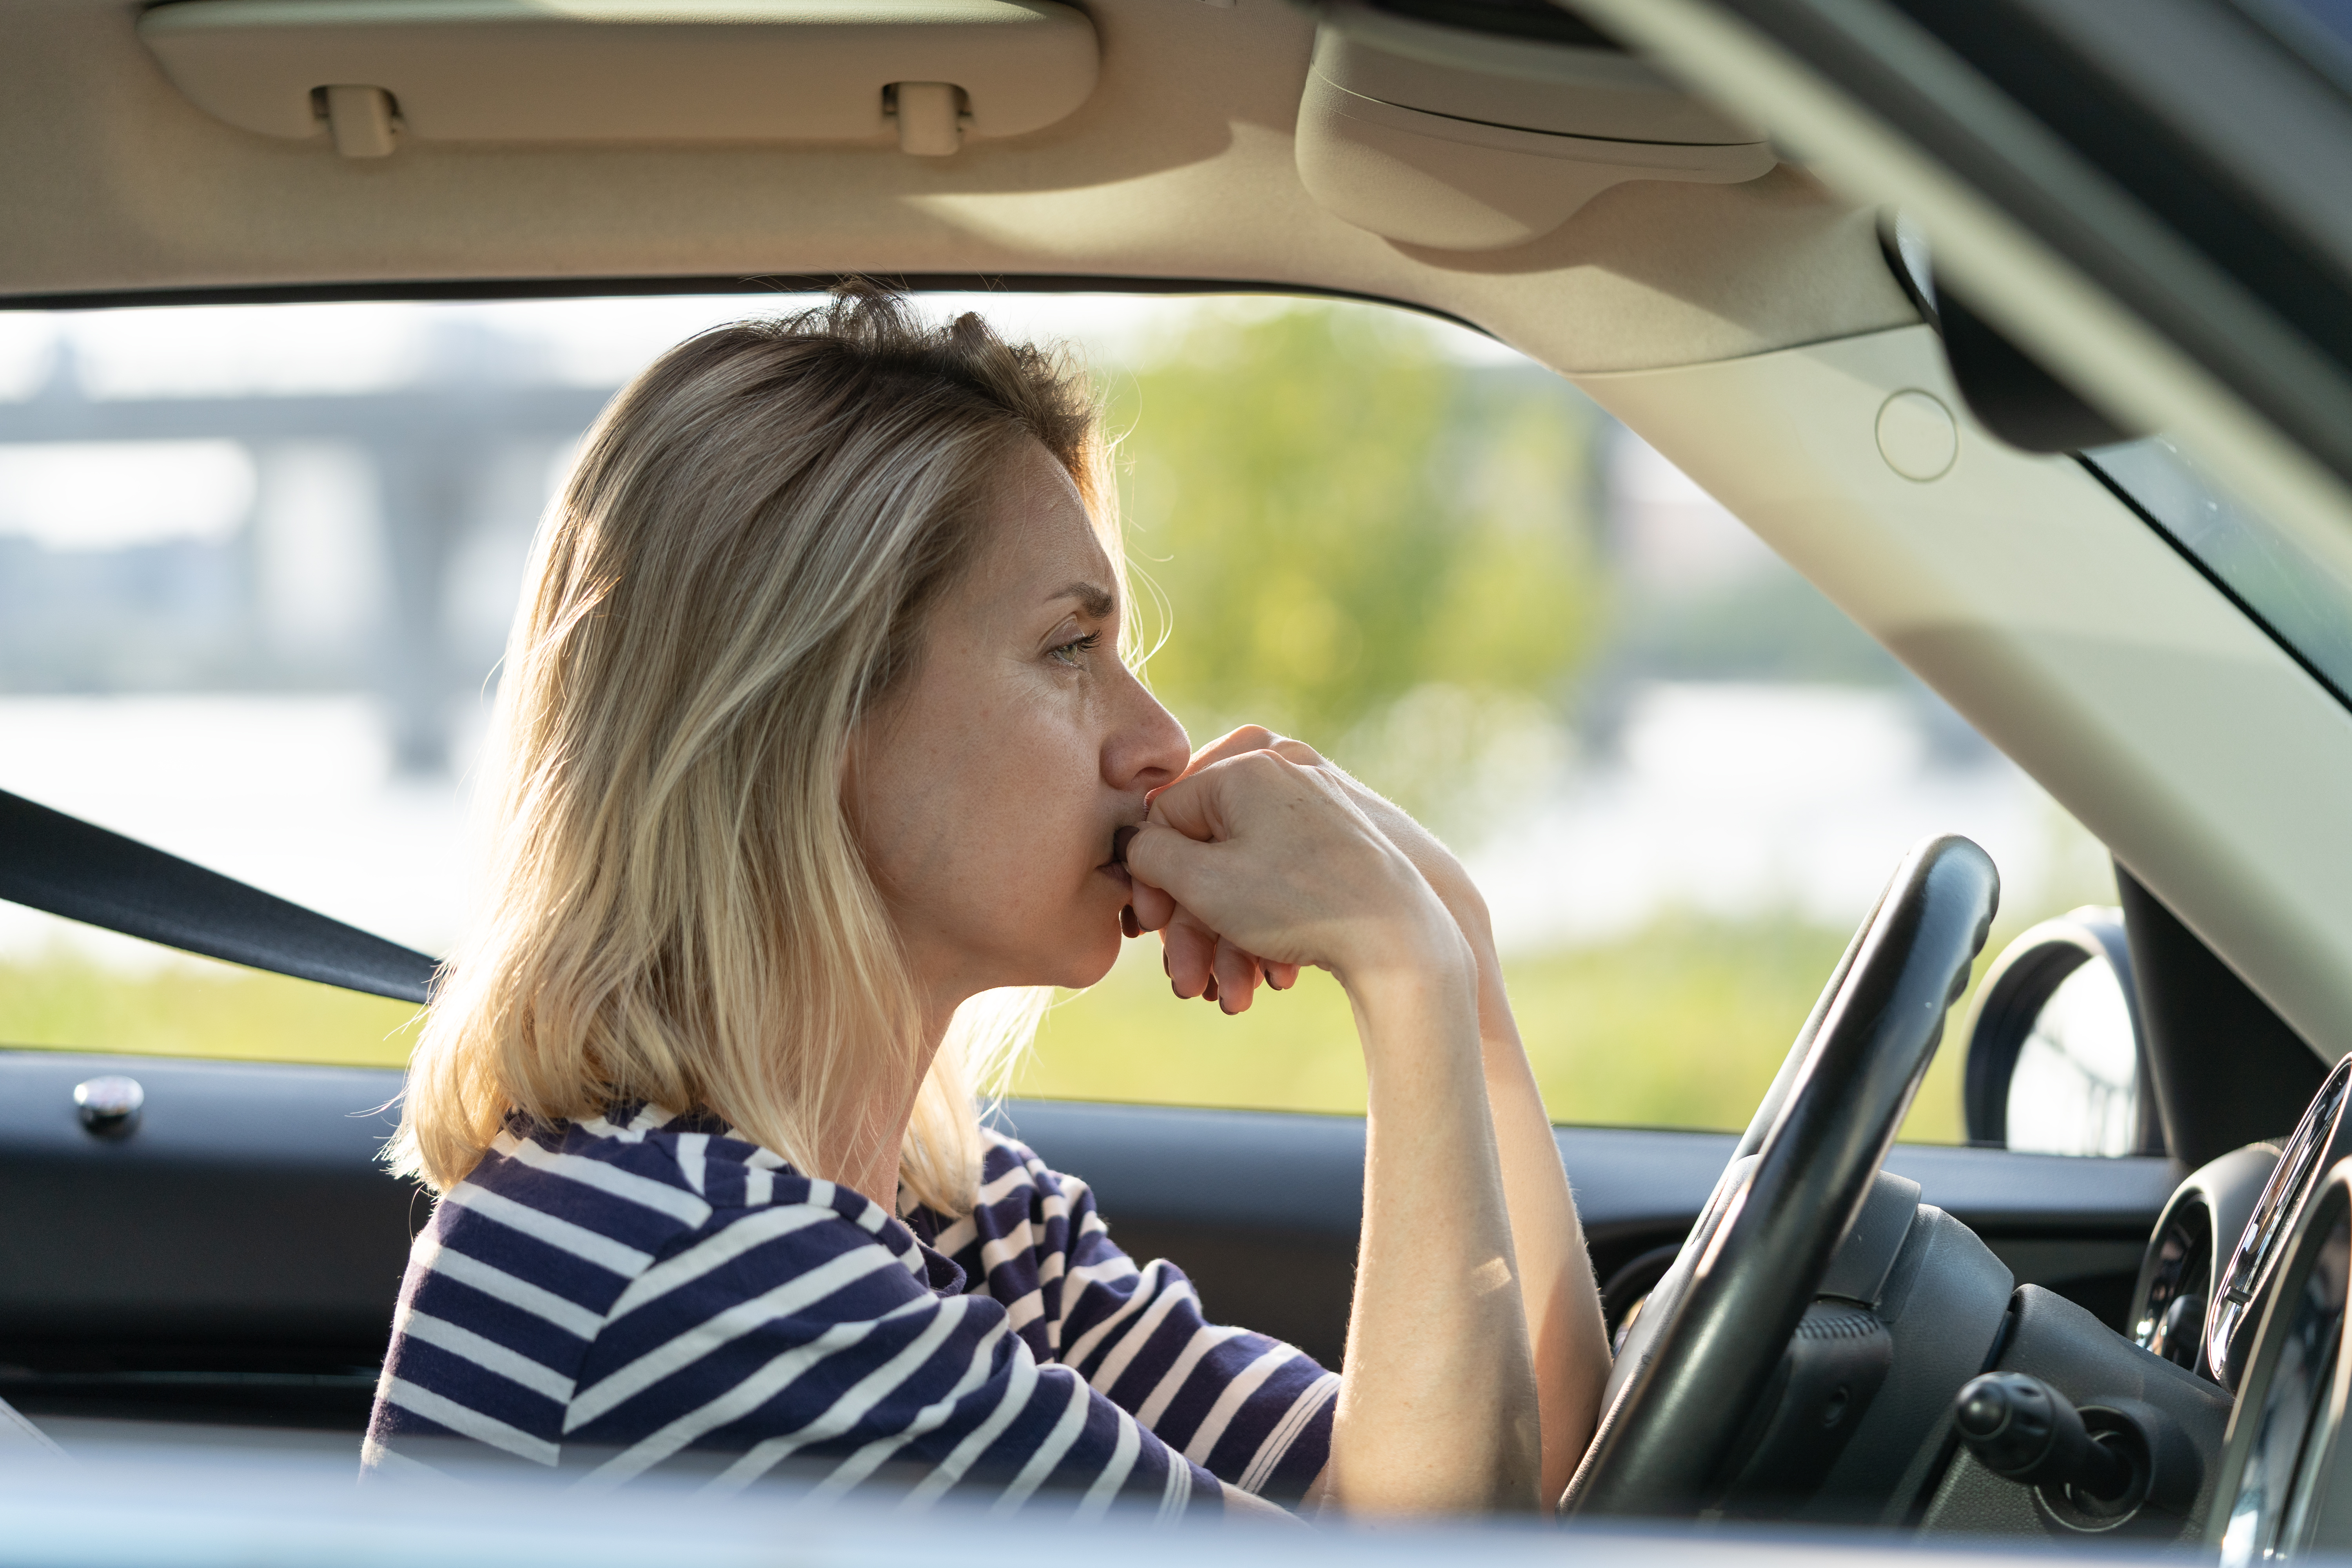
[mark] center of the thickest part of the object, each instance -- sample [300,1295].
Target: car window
[257,564]
[2302,604]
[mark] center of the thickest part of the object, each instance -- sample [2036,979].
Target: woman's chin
[1089,958]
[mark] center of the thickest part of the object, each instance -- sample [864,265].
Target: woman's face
[987,790]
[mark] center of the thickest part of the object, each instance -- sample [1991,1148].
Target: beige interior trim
[634,71]
[1458,152]
[2030,292]
[1181,165]
[1460,185]
[2061,625]
[1558,87]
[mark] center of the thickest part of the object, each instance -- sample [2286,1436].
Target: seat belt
[64,866]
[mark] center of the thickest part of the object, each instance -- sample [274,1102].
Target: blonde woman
[818,754]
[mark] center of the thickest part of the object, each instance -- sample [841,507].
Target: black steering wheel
[1704,1351]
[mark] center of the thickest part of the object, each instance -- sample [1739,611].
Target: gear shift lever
[2021,1428]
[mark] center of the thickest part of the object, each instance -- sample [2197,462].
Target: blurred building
[271,541]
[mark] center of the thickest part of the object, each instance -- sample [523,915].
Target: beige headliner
[1179,166]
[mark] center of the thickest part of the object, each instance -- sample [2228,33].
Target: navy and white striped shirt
[618,1295]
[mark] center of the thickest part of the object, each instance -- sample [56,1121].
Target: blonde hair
[738,569]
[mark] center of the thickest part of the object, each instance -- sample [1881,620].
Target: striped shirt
[648,1291]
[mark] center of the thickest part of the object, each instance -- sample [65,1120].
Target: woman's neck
[871,1166]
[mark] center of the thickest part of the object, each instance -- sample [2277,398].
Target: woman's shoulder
[647,1173]
[1015,1184]
[1021,1204]
[589,1207]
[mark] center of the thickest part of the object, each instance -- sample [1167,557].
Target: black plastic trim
[459,290]
[2226,1068]
[2059,140]
[2220,584]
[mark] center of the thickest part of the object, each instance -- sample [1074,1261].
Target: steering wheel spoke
[1704,1356]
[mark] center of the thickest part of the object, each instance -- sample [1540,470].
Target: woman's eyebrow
[1094,600]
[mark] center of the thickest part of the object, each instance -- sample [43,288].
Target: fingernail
[1176,989]
[1127,924]
[1209,993]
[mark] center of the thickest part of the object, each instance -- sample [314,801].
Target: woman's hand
[1202,962]
[1252,861]
[1270,854]
[1562,1310]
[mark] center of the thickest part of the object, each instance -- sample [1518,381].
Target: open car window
[257,566]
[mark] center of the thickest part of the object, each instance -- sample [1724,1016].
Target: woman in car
[816,758]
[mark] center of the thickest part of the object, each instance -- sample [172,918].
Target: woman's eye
[1071,652]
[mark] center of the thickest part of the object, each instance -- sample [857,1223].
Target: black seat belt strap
[64,866]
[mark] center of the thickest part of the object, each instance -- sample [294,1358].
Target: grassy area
[193,1007]
[1680,1025]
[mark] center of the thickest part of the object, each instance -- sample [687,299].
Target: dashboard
[2245,1283]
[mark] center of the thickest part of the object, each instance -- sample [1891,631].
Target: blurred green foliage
[1335,518]
[1679,1025]
[194,1007]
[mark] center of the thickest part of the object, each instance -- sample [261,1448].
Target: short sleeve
[1252,1411]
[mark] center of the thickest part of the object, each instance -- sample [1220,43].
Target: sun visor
[1445,138]
[925,73]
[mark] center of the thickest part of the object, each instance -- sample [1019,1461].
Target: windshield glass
[2307,607]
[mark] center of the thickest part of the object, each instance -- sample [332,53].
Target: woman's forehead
[1043,536]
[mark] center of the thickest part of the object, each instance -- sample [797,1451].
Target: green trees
[1344,532]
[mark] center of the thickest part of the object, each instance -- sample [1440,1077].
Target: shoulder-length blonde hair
[677,911]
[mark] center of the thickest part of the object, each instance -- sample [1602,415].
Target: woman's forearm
[1439,1410]
[1569,1340]
[1569,1343]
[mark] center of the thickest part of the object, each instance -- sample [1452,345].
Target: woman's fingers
[1251,737]
[1188,949]
[1248,738]
[1237,974]
[1201,963]
[1152,907]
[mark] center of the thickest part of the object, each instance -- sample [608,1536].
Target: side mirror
[2056,1063]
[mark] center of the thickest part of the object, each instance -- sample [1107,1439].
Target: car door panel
[236,1256]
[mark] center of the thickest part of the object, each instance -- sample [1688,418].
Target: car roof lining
[1181,166]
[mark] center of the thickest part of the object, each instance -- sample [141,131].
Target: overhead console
[368,73]
[1436,136]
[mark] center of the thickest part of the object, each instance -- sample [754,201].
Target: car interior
[2113,1312]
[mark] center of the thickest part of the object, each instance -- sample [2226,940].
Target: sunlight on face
[987,790]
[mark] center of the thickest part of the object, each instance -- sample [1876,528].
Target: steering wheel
[1704,1351]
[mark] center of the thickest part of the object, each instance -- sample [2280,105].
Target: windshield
[2302,605]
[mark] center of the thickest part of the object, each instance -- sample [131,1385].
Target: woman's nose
[1145,747]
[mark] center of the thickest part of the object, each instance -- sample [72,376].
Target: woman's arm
[1562,1305]
[1439,1409]
[1440,1391]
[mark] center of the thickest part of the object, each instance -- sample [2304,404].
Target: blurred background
[256,564]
